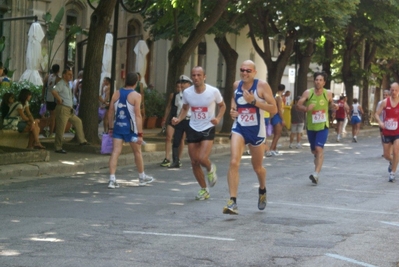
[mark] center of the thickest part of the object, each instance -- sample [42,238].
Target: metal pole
[19,18]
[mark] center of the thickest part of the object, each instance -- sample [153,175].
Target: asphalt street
[350,219]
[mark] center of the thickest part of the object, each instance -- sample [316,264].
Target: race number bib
[200,113]
[391,124]
[318,116]
[247,117]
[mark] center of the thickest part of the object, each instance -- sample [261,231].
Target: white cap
[185,78]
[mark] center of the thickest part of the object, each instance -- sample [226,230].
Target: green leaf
[55,25]
[47,17]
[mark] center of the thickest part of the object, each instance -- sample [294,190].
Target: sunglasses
[246,70]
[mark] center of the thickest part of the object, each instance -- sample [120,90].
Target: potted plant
[154,103]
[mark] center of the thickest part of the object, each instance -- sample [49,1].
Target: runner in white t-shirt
[201,100]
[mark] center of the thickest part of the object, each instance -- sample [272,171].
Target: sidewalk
[88,159]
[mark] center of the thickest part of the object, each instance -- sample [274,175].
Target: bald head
[249,63]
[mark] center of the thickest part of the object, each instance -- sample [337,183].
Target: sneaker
[262,201]
[180,164]
[391,177]
[275,153]
[290,146]
[146,180]
[165,163]
[314,178]
[230,208]
[268,154]
[354,140]
[390,167]
[212,176]
[175,164]
[202,194]
[113,185]
[298,146]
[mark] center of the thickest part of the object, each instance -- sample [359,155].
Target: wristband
[140,134]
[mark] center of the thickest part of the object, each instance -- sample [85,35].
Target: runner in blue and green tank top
[315,102]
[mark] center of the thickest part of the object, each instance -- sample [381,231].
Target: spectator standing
[64,112]
[104,98]
[125,124]
[181,128]
[297,124]
[201,98]
[49,82]
[175,103]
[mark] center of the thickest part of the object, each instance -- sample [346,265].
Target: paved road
[350,219]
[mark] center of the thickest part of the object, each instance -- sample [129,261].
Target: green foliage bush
[154,103]
[15,88]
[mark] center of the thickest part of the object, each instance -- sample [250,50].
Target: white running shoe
[268,154]
[290,146]
[275,153]
[146,180]
[113,184]
[298,146]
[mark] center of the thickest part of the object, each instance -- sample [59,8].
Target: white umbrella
[34,54]
[141,50]
[107,58]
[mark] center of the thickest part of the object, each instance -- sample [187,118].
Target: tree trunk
[178,55]
[230,56]
[328,55]
[304,61]
[365,101]
[88,110]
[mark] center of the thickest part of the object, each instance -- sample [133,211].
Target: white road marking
[349,260]
[180,235]
[334,208]
[390,223]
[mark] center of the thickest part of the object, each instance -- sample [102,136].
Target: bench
[12,138]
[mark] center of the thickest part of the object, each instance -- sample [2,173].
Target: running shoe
[231,208]
[146,180]
[298,145]
[391,177]
[290,146]
[180,164]
[262,201]
[113,184]
[202,194]
[165,163]
[268,154]
[275,153]
[212,176]
[314,178]
[390,167]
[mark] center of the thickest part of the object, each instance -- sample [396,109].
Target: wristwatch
[253,102]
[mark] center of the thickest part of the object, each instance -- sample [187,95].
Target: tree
[99,23]
[170,19]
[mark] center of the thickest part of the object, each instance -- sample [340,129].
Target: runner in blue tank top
[125,124]
[251,98]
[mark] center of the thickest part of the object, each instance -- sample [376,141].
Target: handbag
[11,123]
[101,114]
[43,110]
[269,129]
[106,144]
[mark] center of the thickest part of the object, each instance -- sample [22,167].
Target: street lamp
[135,7]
